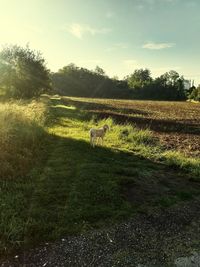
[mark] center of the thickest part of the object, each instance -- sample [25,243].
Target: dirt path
[163,238]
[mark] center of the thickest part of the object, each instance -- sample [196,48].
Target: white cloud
[157,46]
[79,30]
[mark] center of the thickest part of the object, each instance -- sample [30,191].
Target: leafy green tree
[171,85]
[23,72]
[139,78]
[74,81]
[171,77]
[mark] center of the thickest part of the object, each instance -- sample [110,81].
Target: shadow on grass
[81,188]
[77,188]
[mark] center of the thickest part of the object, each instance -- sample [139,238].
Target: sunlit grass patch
[21,133]
[64,106]
[175,158]
[130,133]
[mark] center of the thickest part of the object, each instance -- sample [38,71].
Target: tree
[23,72]
[139,78]
[99,71]
[172,77]
[195,94]
[172,86]
[189,91]
[69,69]
[75,81]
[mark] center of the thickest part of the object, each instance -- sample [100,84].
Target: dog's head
[106,127]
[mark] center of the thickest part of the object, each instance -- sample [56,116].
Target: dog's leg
[94,139]
[91,142]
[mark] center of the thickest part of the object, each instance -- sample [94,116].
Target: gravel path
[160,239]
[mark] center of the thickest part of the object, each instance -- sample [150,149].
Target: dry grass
[21,131]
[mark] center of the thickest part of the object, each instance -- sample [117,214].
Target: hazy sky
[117,35]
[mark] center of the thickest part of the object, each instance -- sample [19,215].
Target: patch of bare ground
[186,143]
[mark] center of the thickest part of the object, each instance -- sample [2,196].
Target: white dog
[96,134]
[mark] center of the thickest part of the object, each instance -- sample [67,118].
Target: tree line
[23,74]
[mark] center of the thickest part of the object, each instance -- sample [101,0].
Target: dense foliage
[169,86]
[74,81]
[23,72]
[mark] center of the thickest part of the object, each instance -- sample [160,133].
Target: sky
[117,35]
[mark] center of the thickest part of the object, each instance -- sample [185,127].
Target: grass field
[66,186]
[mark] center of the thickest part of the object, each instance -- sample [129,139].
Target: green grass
[168,201]
[74,187]
[21,135]
[177,159]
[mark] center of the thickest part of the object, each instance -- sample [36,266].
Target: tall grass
[143,143]
[21,133]
[76,187]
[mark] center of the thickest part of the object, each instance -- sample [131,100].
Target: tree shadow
[138,180]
